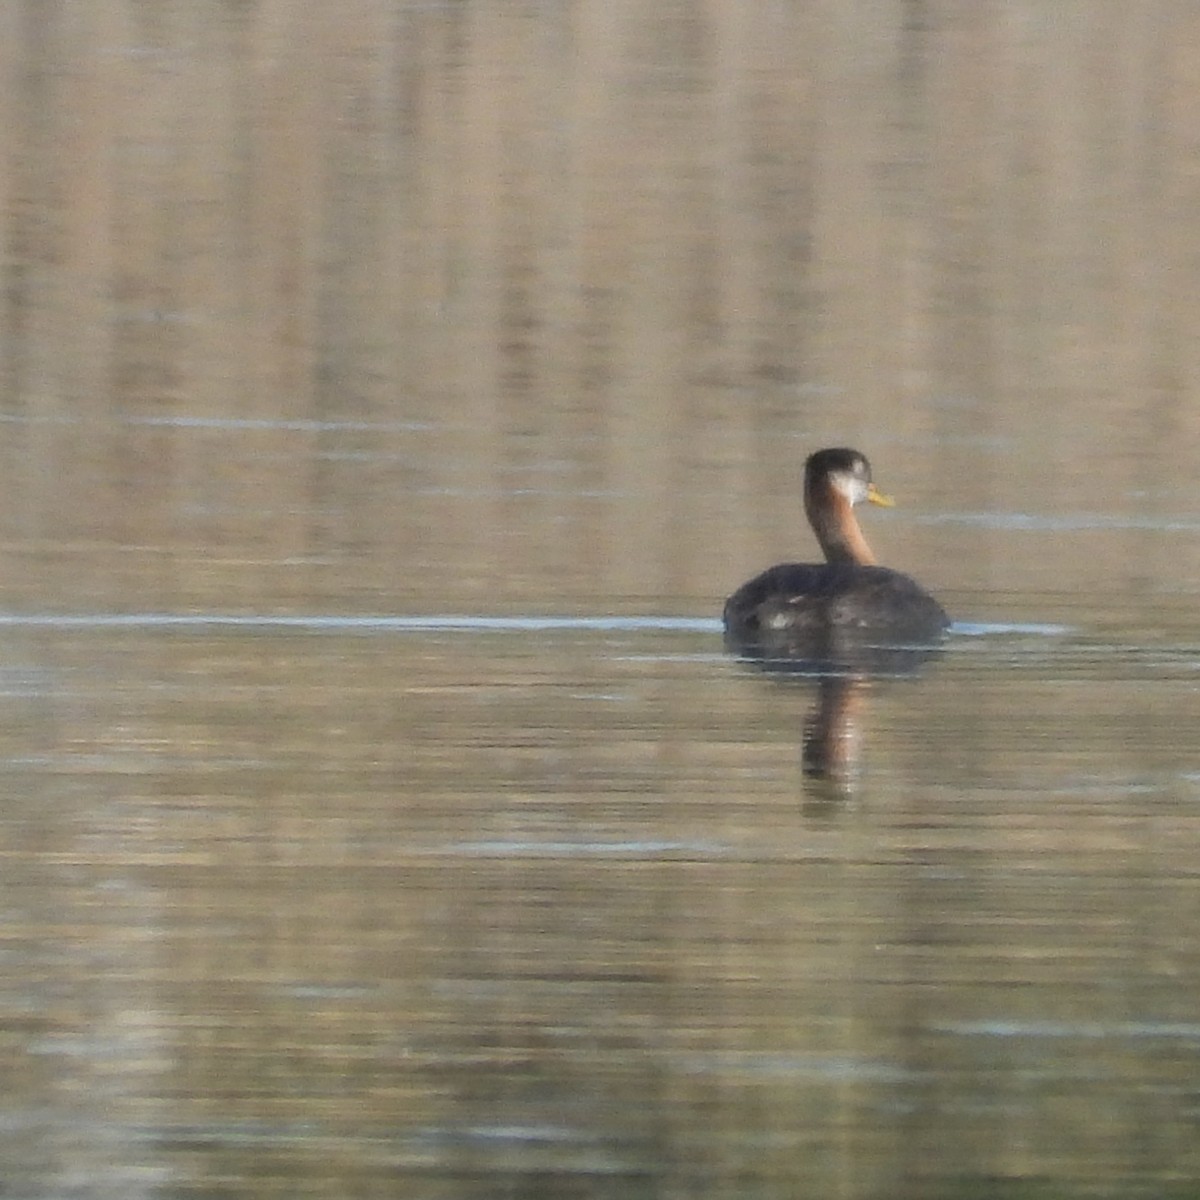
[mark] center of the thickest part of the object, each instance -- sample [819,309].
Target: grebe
[793,606]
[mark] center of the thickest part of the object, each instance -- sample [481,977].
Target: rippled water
[543,903]
[391,395]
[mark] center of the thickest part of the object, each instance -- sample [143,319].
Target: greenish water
[553,907]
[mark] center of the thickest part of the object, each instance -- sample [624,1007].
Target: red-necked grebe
[848,594]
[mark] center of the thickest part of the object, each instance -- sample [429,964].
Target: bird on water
[846,596]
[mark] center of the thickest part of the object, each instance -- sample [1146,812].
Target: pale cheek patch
[849,486]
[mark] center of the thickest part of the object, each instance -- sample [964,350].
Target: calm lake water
[391,394]
[551,907]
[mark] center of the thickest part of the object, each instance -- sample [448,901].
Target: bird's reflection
[842,664]
[832,746]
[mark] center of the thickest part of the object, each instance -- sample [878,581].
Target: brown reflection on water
[838,664]
[389,307]
[833,731]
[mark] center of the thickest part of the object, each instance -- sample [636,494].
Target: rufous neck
[832,517]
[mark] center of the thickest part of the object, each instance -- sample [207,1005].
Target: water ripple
[436,623]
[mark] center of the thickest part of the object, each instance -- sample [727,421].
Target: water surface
[391,395]
[539,900]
